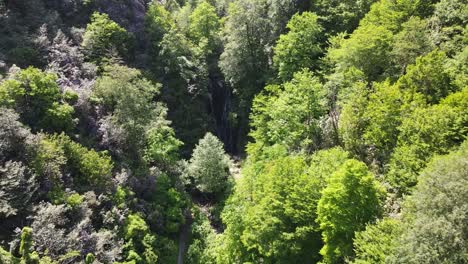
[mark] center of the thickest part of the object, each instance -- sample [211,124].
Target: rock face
[128,13]
[221,95]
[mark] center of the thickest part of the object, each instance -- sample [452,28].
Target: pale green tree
[434,229]
[209,165]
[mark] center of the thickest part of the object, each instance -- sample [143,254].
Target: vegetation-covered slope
[123,125]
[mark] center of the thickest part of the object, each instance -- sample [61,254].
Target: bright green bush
[274,121]
[352,199]
[88,166]
[377,242]
[424,133]
[26,244]
[205,25]
[103,37]
[89,258]
[158,21]
[135,227]
[162,145]
[74,200]
[428,77]
[167,206]
[128,98]
[298,49]
[140,243]
[7,258]
[36,96]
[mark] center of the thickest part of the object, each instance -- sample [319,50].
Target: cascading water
[220,102]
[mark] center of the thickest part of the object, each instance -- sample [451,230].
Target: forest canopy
[233,131]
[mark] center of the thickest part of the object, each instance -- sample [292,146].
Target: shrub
[36,96]
[209,165]
[102,36]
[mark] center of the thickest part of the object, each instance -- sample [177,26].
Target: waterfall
[220,102]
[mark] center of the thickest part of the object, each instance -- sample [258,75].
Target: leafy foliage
[162,145]
[428,77]
[103,37]
[140,241]
[377,242]
[340,17]
[274,121]
[331,107]
[411,42]
[422,134]
[350,201]
[299,48]
[59,153]
[272,213]
[36,96]
[158,22]
[205,25]
[370,120]
[367,50]
[435,216]
[140,122]
[209,165]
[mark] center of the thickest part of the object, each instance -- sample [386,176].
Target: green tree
[90,167]
[279,222]
[128,95]
[36,96]
[428,77]
[49,163]
[158,22]
[377,242]
[204,243]
[7,258]
[205,26]
[423,134]
[244,61]
[290,114]
[140,242]
[299,48]
[26,244]
[167,206]
[411,42]
[352,122]
[367,49]
[392,14]
[128,100]
[351,200]
[182,69]
[383,117]
[324,163]
[342,16]
[448,26]
[89,258]
[103,37]
[434,223]
[271,215]
[209,165]
[162,146]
